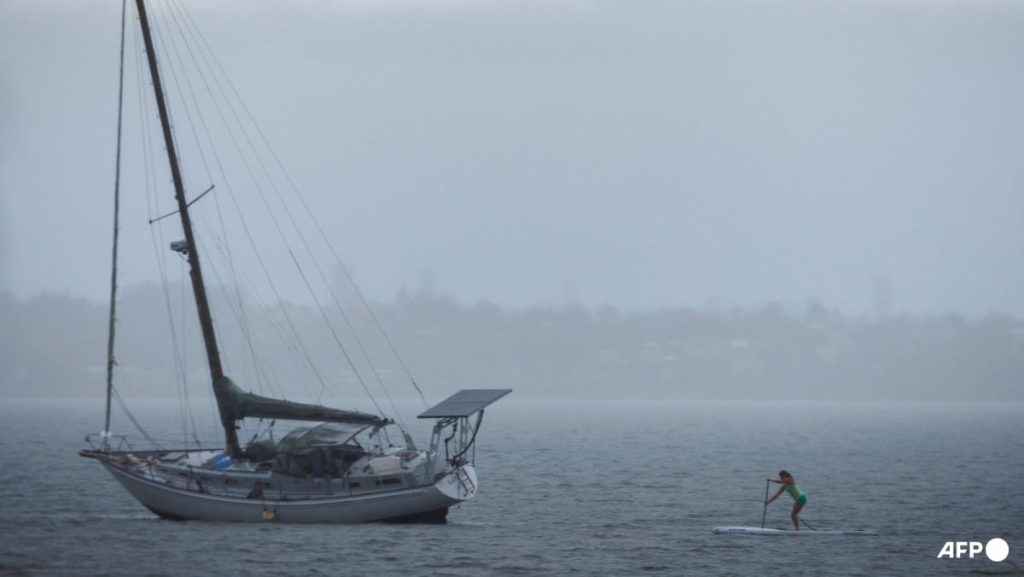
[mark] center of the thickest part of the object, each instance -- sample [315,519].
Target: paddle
[764,514]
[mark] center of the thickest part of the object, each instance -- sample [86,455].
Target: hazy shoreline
[55,346]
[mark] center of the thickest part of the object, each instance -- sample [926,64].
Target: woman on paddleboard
[799,499]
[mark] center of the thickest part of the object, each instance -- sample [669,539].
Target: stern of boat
[459,484]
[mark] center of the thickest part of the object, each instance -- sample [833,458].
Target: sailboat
[341,468]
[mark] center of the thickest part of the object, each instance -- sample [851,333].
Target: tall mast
[117,204]
[192,252]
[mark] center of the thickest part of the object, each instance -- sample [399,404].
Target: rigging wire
[261,370]
[238,308]
[184,341]
[274,220]
[153,207]
[167,39]
[268,315]
[323,278]
[240,313]
[131,417]
[298,230]
[164,36]
[261,261]
[204,44]
[157,29]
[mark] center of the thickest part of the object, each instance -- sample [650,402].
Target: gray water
[572,488]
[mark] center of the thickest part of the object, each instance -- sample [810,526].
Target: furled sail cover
[237,404]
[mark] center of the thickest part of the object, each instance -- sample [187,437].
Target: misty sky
[641,154]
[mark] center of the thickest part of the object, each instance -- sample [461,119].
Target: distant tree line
[53,345]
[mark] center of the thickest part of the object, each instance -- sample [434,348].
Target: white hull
[428,502]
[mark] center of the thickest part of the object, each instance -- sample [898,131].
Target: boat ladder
[464,481]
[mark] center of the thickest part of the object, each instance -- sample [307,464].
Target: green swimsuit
[795,493]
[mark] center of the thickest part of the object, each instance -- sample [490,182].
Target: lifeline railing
[102,442]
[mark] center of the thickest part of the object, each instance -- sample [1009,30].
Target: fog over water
[701,241]
[572,198]
[660,154]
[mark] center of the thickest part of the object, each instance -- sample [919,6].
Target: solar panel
[464,403]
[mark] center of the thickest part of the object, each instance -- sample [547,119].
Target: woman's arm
[776,495]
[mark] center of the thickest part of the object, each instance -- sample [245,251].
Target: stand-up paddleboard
[761,531]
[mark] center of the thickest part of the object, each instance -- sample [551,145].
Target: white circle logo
[997,549]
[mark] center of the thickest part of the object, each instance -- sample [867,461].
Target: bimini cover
[318,451]
[323,435]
